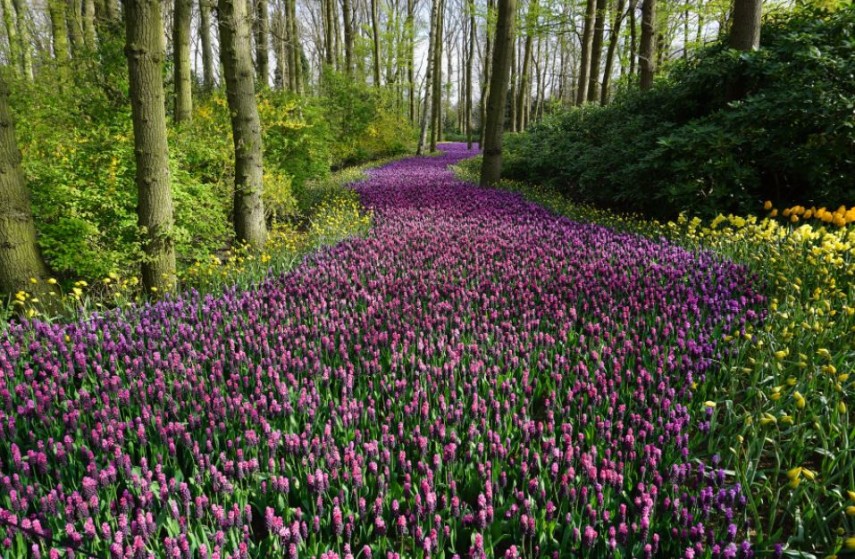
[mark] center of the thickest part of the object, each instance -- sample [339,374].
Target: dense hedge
[723,131]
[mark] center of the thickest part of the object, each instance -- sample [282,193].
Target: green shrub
[722,133]
[76,136]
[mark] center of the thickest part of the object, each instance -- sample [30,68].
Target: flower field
[478,377]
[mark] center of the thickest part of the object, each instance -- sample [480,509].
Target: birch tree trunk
[20,258]
[235,52]
[491,167]
[144,49]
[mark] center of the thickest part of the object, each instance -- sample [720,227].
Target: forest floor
[477,376]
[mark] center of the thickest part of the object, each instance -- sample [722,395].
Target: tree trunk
[348,37]
[597,52]
[89,24]
[329,40]
[144,49]
[513,88]
[75,27]
[488,58]
[426,112]
[296,49]
[24,38]
[436,110]
[207,49]
[336,34]
[633,37]
[181,60]
[10,20]
[20,259]
[262,43]
[525,76]
[411,47]
[745,26]
[375,40]
[59,30]
[647,56]
[614,35]
[491,167]
[235,51]
[585,62]
[469,59]
[277,30]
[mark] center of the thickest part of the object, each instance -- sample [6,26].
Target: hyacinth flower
[477,377]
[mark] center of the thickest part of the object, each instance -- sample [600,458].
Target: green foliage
[76,135]
[364,120]
[724,132]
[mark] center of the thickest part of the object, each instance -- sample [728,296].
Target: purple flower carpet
[476,378]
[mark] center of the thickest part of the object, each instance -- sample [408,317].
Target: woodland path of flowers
[476,378]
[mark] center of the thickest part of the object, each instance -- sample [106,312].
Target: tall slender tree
[235,52]
[10,20]
[20,258]
[614,35]
[436,110]
[596,52]
[23,24]
[144,49]
[59,29]
[206,44]
[470,58]
[411,47]
[75,27]
[524,93]
[181,20]
[426,111]
[488,59]
[647,50]
[585,59]
[262,43]
[347,16]
[491,167]
[375,43]
[89,33]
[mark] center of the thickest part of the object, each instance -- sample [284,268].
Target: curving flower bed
[478,377]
